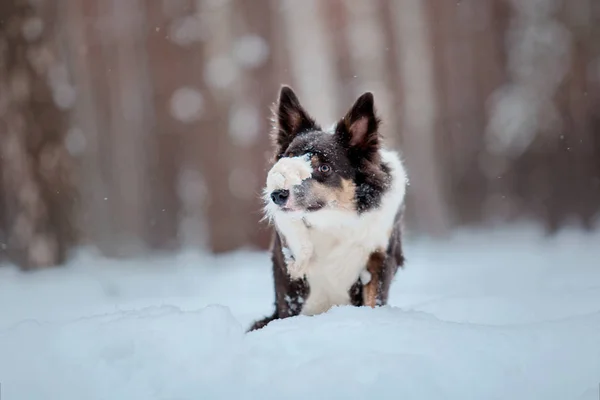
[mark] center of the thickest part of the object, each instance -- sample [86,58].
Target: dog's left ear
[358,129]
[291,119]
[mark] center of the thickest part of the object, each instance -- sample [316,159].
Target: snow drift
[165,353]
[508,315]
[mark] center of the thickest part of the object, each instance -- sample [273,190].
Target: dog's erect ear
[358,130]
[290,119]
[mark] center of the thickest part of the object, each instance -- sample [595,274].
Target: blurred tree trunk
[129,163]
[311,58]
[414,25]
[336,13]
[259,87]
[369,61]
[37,198]
[167,78]
[224,211]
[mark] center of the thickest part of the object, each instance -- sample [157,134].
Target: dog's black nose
[279,197]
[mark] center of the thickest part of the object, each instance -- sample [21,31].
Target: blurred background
[138,126]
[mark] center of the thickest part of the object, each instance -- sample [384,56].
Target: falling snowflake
[32,28]
[187,30]
[220,72]
[75,141]
[251,51]
[187,104]
[64,96]
[63,93]
[244,124]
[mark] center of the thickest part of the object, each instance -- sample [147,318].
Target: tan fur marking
[342,198]
[346,195]
[371,289]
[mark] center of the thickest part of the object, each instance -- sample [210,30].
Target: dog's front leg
[374,293]
[297,247]
[381,267]
[300,254]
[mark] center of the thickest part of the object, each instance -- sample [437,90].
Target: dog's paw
[297,270]
[288,172]
[276,180]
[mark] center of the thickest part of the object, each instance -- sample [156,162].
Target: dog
[336,200]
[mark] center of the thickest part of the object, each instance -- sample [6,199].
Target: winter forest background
[134,147]
[142,125]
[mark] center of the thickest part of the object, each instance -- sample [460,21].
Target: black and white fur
[335,199]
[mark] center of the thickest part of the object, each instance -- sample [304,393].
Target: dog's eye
[324,168]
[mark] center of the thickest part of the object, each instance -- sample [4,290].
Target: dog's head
[316,170]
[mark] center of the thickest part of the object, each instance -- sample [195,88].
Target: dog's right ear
[290,119]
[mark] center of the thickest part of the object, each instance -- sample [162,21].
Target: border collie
[336,200]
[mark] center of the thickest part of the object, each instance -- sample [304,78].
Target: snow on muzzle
[287,182]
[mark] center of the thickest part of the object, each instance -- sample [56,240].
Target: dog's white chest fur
[331,247]
[340,255]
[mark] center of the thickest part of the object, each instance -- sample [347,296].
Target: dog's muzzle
[280,196]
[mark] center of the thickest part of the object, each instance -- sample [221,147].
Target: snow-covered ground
[506,314]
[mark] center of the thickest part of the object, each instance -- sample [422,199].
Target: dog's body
[336,200]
